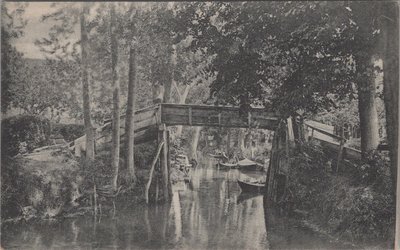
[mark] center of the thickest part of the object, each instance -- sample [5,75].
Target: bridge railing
[220,116]
[335,143]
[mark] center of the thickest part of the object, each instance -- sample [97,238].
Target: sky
[35,29]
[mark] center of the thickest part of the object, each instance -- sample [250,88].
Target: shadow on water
[208,213]
[288,233]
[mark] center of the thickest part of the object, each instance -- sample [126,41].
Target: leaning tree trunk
[116,102]
[129,119]
[369,124]
[90,136]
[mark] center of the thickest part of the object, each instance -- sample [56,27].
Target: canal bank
[206,213]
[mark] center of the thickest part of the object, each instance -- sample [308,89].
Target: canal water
[208,213]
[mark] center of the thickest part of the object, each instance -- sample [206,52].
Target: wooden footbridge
[150,120]
[152,124]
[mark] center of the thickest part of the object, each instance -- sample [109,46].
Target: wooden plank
[206,113]
[336,137]
[181,108]
[210,107]
[202,115]
[140,113]
[145,123]
[348,153]
[351,153]
[138,119]
[320,125]
[145,134]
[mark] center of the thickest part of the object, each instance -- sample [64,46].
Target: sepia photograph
[200,125]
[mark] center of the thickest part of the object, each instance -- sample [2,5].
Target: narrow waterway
[208,213]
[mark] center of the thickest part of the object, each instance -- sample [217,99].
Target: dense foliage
[316,58]
[355,204]
[32,188]
[11,28]
[69,132]
[20,134]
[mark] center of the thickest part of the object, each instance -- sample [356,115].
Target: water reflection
[208,213]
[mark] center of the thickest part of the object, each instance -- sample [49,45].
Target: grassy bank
[355,204]
[42,184]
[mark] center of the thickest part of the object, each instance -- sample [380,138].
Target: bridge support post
[278,170]
[163,135]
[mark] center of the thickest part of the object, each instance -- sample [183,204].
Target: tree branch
[177,89]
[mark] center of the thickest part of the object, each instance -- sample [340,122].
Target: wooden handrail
[152,170]
[339,138]
[138,111]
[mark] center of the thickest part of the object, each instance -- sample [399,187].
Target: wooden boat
[249,165]
[226,165]
[254,187]
[219,156]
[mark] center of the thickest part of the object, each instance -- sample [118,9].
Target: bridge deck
[148,119]
[219,116]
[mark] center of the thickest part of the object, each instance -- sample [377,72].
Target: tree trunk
[369,124]
[90,135]
[158,93]
[391,80]
[129,119]
[164,162]
[195,142]
[391,97]
[182,100]
[116,102]
[241,140]
[169,78]
[167,90]
[228,141]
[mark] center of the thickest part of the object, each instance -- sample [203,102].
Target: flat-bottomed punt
[251,187]
[225,165]
[249,165]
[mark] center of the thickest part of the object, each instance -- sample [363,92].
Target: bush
[356,204]
[308,175]
[47,187]
[369,214]
[28,130]
[12,184]
[144,154]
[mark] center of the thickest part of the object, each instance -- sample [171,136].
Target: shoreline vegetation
[55,182]
[342,203]
[318,80]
